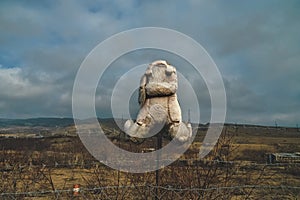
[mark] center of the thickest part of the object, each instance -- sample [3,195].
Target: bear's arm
[142,90]
[165,88]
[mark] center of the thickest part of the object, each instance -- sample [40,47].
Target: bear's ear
[169,70]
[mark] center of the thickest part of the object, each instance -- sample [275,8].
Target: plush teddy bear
[159,107]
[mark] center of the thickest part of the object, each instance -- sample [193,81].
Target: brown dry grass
[79,167]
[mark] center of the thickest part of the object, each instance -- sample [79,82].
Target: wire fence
[182,162]
[133,190]
[165,192]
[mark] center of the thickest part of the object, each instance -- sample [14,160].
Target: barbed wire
[186,162]
[166,188]
[251,163]
[228,187]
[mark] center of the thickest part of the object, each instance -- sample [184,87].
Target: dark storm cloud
[263,52]
[255,44]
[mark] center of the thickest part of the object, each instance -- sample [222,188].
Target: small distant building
[283,158]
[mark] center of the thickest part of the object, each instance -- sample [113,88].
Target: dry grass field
[48,167]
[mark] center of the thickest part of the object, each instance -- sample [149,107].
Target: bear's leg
[150,120]
[141,127]
[136,129]
[180,131]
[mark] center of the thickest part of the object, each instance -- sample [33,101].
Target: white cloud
[14,85]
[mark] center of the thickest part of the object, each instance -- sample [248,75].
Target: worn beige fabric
[159,104]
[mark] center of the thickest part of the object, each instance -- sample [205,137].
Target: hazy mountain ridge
[34,122]
[65,126]
[53,122]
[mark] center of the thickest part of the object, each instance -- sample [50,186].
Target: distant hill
[32,122]
[51,122]
[110,122]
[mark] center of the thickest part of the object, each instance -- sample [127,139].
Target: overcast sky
[255,45]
